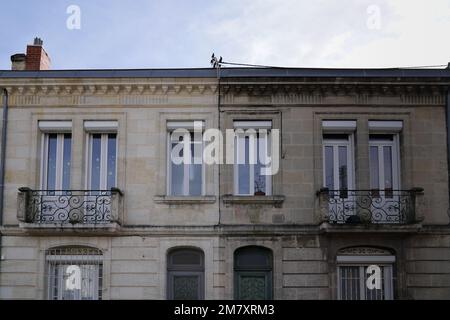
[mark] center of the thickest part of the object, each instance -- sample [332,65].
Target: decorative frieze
[106,94]
[425,99]
[275,93]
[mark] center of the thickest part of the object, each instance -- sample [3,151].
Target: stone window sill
[78,228]
[275,200]
[184,199]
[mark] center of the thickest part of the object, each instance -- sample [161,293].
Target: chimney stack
[37,58]
[18,61]
[34,60]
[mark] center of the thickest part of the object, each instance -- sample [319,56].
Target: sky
[182,34]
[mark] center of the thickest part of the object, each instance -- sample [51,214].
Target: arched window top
[253,257]
[185,258]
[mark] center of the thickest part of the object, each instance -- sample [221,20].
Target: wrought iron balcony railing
[370,206]
[86,207]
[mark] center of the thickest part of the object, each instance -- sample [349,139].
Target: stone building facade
[363,180]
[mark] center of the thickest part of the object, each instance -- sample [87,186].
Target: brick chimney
[34,60]
[37,58]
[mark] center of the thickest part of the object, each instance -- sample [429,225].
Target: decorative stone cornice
[61,94]
[359,93]
[52,92]
[109,89]
[350,88]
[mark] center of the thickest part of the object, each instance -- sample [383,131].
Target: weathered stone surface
[304,257]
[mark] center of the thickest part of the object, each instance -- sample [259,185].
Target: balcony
[370,207]
[70,209]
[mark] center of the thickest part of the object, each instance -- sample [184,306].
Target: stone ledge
[366,228]
[180,200]
[275,200]
[79,228]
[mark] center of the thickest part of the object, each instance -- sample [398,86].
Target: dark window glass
[244,168]
[329,168]
[96,161]
[374,169]
[66,161]
[380,137]
[51,161]
[112,145]
[335,136]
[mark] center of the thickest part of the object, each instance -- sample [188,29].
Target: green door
[253,273]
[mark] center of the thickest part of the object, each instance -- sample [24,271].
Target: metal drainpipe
[448,143]
[2,159]
[218,120]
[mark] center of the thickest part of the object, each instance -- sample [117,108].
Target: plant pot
[259,193]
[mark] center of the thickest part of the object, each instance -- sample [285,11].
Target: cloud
[331,33]
[296,33]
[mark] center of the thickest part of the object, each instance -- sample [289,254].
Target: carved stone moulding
[112,89]
[365,251]
[329,89]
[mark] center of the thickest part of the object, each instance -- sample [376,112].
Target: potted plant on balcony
[259,186]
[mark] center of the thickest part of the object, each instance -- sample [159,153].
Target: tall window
[384,164]
[185,155]
[338,162]
[74,273]
[354,273]
[253,273]
[56,155]
[102,161]
[252,144]
[185,274]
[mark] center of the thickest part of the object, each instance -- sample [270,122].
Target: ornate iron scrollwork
[370,206]
[69,206]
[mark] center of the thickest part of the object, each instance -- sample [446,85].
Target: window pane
[66,161]
[74,281]
[387,155]
[374,168]
[74,274]
[349,282]
[195,171]
[186,287]
[374,294]
[335,136]
[177,172]
[252,287]
[343,170]
[51,161]
[95,161]
[111,174]
[261,150]
[186,257]
[253,258]
[381,137]
[329,168]
[244,169]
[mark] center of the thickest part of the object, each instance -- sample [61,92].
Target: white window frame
[239,147]
[335,144]
[171,127]
[103,158]
[362,262]
[59,159]
[394,144]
